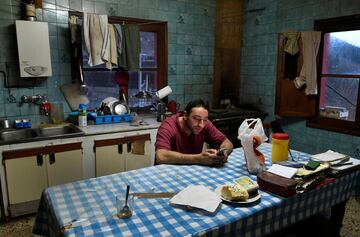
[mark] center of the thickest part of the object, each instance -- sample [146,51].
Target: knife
[154,195]
[341,164]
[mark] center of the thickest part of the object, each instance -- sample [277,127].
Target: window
[339,76]
[340,70]
[151,76]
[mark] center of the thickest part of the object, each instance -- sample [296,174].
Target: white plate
[249,200]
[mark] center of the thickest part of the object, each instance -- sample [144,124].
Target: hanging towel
[310,48]
[113,49]
[73,28]
[138,148]
[119,36]
[292,46]
[105,50]
[129,58]
[95,29]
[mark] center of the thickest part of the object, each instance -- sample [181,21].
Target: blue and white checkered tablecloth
[93,202]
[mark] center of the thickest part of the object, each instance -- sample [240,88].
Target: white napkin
[197,196]
[284,171]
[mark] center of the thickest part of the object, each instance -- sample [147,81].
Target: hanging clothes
[119,36]
[96,38]
[292,46]
[105,50]
[129,58]
[113,49]
[308,73]
[73,28]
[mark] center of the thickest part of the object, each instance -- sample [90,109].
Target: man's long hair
[195,104]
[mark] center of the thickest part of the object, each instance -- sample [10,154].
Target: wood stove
[229,120]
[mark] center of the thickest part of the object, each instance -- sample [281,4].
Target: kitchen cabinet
[26,178]
[122,154]
[75,158]
[29,171]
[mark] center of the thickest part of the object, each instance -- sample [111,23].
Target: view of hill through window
[340,75]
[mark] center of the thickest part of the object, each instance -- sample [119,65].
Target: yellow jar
[280,147]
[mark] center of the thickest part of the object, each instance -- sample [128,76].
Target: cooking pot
[116,107]
[119,108]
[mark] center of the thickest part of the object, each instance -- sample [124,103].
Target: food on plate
[234,192]
[250,186]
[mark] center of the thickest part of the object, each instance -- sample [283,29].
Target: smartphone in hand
[221,152]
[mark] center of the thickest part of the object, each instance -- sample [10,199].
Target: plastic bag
[251,134]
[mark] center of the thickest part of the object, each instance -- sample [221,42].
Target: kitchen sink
[17,134]
[59,131]
[8,136]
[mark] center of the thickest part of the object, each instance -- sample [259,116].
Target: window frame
[346,23]
[158,27]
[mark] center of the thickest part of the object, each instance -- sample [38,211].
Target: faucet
[41,100]
[35,99]
[24,99]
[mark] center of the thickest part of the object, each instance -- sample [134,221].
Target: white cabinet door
[139,155]
[29,171]
[110,159]
[122,154]
[26,178]
[64,167]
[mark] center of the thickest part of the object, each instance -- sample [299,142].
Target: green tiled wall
[263,20]
[191,31]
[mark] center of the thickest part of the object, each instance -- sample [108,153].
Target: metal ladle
[83,87]
[125,212]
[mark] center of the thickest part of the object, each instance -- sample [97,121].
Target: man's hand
[223,152]
[212,158]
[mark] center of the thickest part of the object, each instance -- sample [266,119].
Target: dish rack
[107,119]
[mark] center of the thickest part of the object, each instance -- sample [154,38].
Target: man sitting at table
[181,137]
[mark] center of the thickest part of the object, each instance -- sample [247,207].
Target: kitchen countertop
[149,122]
[140,122]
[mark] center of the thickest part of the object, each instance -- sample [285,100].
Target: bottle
[82,118]
[160,111]
[280,147]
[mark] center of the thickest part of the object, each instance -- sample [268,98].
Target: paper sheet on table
[197,196]
[284,171]
[328,156]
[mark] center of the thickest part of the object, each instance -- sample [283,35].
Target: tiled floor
[22,226]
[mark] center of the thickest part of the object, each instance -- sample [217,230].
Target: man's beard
[192,130]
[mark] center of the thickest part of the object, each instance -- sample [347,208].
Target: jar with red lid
[280,147]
